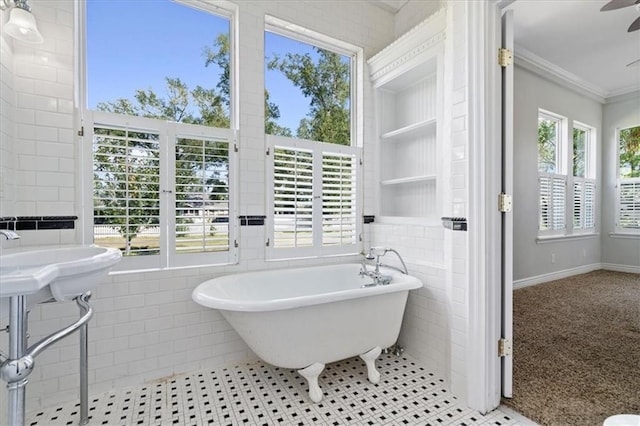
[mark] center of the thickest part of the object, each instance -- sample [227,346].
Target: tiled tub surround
[260,394]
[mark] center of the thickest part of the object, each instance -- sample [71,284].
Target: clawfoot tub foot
[311,373]
[370,359]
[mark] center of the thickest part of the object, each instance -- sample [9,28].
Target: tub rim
[200,296]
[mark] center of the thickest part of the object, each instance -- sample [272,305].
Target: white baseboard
[539,279]
[621,268]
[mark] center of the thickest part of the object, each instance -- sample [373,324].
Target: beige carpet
[577,349]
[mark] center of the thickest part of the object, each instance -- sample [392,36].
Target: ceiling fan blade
[618,4]
[635,25]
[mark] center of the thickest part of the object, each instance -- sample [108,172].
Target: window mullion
[168,194]
[317,199]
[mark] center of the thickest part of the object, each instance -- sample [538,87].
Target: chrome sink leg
[83,304]
[16,369]
[19,365]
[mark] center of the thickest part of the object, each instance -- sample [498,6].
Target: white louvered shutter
[629,208]
[589,204]
[126,185]
[552,190]
[292,197]
[202,195]
[578,205]
[338,199]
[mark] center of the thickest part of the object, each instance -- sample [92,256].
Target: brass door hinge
[504,202]
[505,57]
[505,348]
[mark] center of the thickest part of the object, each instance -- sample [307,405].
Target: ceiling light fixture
[21,24]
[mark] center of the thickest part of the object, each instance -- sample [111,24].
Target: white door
[507,218]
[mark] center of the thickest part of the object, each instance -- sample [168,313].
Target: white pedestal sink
[59,272]
[33,275]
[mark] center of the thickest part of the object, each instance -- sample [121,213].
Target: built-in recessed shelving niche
[407,78]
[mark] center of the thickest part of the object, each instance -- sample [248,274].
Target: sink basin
[57,272]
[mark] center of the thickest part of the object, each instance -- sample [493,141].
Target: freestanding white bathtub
[305,318]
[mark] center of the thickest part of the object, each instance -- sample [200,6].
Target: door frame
[483,365]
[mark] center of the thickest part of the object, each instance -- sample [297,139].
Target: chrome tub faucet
[379,278]
[377,252]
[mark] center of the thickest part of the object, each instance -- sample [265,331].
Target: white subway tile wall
[146,325]
[434,328]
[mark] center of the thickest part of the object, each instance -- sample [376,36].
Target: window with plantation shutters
[313,198]
[628,182]
[313,151]
[161,191]
[566,176]
[159,150]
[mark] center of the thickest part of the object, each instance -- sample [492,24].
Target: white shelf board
[411,179]
[410,129]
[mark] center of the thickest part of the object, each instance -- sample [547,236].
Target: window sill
[142,269]
[560,238]
[624,235]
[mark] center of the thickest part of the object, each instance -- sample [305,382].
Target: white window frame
[559,177]
[562,143]
[582,190]
[317,149]
[588,184]
[169,132]
[168,258]
[296,32]
[620,182]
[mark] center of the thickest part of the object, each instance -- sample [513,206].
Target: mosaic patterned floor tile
[260,394]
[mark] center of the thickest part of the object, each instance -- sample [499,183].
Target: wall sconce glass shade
[22,26]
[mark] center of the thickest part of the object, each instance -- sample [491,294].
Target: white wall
[435,325]
[618,251]
[531,258]
[146,325]
[7,127]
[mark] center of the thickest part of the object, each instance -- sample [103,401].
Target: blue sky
[172,40]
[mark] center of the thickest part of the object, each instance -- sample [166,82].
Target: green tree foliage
[271,115]
[547,145]
[630,152]
[125,210]
[327,85]
[325,82]
[579,152]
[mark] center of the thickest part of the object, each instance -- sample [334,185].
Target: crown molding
[405,51]
[534,63]
[626,96]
